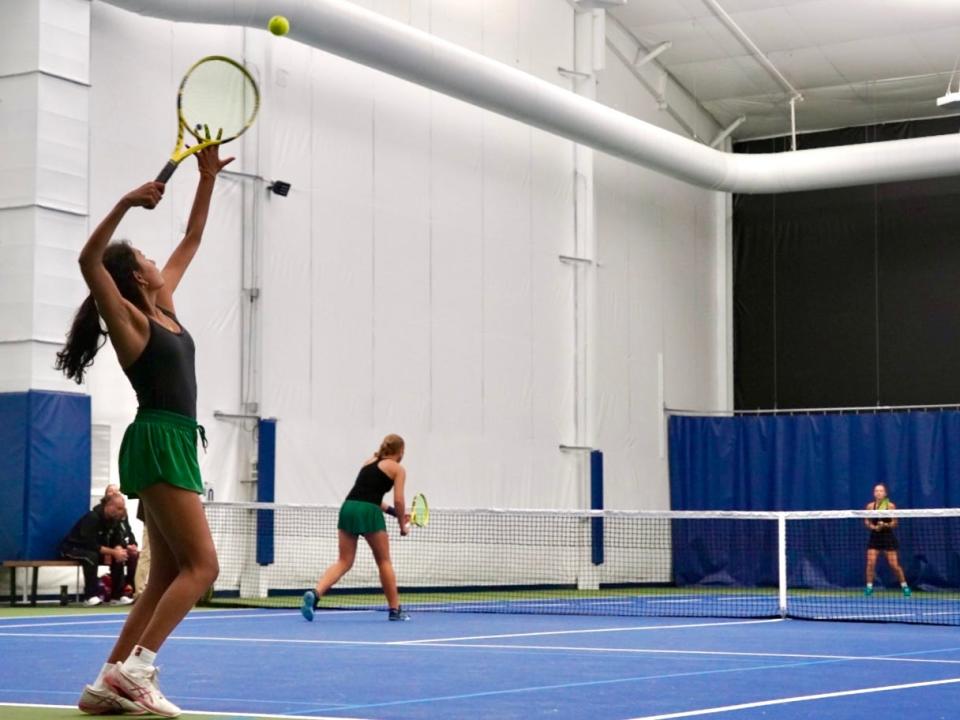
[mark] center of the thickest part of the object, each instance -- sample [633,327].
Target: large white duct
[352,32]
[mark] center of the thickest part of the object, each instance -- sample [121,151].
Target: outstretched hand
[209,162]
[147,195]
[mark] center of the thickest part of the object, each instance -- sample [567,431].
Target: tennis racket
[419,511]
[217,96]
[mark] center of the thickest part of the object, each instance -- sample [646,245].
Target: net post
[782,563]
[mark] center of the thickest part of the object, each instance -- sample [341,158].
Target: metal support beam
[643,62]
[760,56]
[568,73]
[728,131]
[639,62]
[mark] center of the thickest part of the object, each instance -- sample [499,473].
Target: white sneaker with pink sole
[106,702]
[141,688]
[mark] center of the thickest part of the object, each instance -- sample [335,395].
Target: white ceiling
[855,61]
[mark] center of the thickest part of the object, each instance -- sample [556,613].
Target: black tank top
[164,376]
[371,485]
[886,506]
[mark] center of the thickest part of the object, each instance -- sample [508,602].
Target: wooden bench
[13,565]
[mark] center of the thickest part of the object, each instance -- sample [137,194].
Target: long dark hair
[87,335]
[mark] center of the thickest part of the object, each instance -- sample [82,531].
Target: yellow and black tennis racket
[218,100]
[419,511]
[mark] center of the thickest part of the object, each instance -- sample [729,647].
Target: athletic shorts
[359,518]
[160,446]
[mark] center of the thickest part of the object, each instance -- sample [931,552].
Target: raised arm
[209,164]
[127,326]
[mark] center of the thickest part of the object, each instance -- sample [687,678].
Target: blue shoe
[868,591]
[398,615]
[307,604]
[906,591]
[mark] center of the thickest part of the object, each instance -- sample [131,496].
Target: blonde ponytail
[391,445]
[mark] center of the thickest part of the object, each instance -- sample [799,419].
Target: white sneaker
[107,702]
[92,601]
[122,600]
[141,689]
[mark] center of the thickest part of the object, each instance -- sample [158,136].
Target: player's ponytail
[85,338]
[86,335]
[391,445]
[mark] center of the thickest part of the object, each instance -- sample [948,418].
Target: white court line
[402,643]
[864,616]
[588,630]
[799,698]
[119,611]
[658,651]
[199,712]
[203,638]
[123,619]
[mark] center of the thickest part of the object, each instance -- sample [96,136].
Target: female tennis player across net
[883,539]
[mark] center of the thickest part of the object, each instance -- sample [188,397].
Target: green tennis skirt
[359,518]
[160,446]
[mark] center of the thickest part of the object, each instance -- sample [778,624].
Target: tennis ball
[279,25]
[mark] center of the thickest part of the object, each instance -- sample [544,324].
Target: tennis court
[353,664]
[656,302]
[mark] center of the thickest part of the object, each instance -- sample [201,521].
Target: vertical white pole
[584,283]
[782,562]
[661,410]
[793,123]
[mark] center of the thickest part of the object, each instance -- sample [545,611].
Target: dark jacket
[87,536]
[122,534]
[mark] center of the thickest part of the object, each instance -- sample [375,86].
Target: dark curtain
[848,297]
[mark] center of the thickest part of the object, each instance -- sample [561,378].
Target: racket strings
[218,97]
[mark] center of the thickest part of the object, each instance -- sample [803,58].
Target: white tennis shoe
[107,702]
[141,689]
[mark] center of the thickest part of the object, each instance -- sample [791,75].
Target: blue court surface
[271,663]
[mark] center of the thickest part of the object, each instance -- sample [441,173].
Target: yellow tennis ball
[279,25]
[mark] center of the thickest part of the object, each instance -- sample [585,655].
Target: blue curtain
[825,461]
[44,470]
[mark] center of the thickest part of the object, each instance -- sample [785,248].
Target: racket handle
[167,171]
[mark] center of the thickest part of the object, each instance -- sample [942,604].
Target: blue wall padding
[596,503]
[266,487]
[44,470]
[13,473]
[827,461]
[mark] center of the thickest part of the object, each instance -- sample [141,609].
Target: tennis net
[671,564]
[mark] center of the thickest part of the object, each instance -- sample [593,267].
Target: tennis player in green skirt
[362,514]
[158,456]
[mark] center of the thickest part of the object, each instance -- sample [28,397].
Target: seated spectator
[94,537]
[123,537]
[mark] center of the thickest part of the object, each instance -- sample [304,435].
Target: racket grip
[167,171]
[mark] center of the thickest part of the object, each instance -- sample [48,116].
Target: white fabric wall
[43,183]
[410,282]
[661,249]
[426,284]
